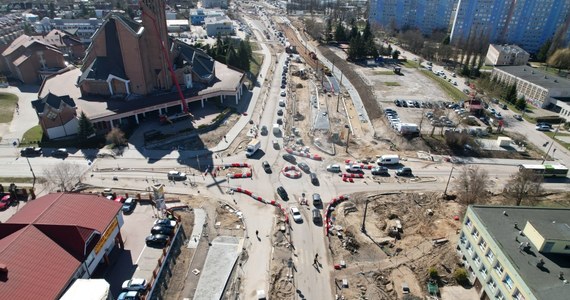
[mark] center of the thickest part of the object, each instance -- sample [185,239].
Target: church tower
[155,38]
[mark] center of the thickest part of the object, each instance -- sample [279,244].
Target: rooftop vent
[3,268]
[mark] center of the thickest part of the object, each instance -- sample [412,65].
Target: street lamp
[347,137]
[363,227]
[448,179]
[553,136]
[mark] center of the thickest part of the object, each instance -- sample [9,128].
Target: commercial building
[198,16]
[55,239]
[506,55]
[82,28]
[528,24]
[221,25]
[214,3]
[425,15]
[516,252]
[539,88]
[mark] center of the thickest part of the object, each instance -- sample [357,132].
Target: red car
[6,201]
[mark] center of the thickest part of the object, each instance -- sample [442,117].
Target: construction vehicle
[252,147]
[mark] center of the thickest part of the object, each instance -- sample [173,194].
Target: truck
[252,147]
[407,128]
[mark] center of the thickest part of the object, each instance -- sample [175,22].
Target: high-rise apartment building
[425,15]
[527,23]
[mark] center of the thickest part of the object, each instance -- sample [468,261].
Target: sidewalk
[25,118]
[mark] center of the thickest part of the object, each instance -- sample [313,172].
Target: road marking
[140,255]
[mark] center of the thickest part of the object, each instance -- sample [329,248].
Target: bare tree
[523,185]
[63,176]
[472,185]
[116,137]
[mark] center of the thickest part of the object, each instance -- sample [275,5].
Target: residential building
[514,252]
[539,88]
[197,16]
[506,55]
[528,24]
[221,25]
[55,239]
[57,115]
[30,59]
[11,27]
[83,28]
[214,3]
[425,15]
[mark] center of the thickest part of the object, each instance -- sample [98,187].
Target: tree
[232,58]
[243,56]
[63,176]
[521,103]
[86,129]
[116,137]
[367,33]
[460,275]
[472,184]
[560,59]
[395,54]
[511,95]
[523,185]
[340,33]
[542,54]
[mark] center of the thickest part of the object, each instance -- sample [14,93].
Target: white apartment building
[219,25]
[506,55]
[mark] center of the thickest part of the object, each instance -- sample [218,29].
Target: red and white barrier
[303,154]
[236,165]
[240,175]
[291,172]
[362,166]
[352,175]
[328,211]
[258,198]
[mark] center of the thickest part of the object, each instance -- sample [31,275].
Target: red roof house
[52,241]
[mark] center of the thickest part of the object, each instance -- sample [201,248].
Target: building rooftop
[543,281]
[509,48]
[536,76]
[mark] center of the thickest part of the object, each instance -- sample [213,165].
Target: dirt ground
[281,271]
[377,264]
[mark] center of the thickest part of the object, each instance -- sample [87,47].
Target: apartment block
[506,55]
[513,252]
[527,23]
[425,15]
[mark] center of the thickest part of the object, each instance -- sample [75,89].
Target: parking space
[424,113]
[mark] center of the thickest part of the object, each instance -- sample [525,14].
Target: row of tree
[506,91]
[226,51]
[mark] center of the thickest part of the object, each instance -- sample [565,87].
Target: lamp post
[448,179]
[550,147]
[347,137]
[31,170]
[363,227]
[338,98]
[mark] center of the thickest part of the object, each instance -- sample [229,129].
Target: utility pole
[347,137]
[553,140]
[338,98]
[363,227]
[31,170]
[448,179]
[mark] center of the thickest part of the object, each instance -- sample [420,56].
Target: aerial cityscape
[299,149]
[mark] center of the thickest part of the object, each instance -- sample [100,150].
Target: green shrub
[433,273]
[460,275]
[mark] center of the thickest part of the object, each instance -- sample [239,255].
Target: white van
[388,159]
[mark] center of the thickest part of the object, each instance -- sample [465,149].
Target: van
[388,159]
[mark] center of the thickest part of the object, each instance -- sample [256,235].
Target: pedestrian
[315,262]
[257,233]
[316,256]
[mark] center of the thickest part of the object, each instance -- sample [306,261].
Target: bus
[547,170]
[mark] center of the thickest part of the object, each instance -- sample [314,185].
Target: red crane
[166,57]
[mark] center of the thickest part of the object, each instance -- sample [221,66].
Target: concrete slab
[219,263]
[199,221]
[458,292]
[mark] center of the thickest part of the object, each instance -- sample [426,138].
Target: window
[468,223]
[517,295]
[483,272]
[51,115]
[508,282]
[482,244]
[490,255]
[475,233]
[477,260]
[469,248]
[499,269]
[500,296]
[492,284]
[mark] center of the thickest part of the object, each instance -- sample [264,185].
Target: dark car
[303,166]
[379,171]
[31,151]
[165,223]
[280,112]
[282,193]
[405,171]
[266,167]
[128,205]
[62,153]
[157,240]
[397,102]
[317,200]
[404,104]
[317,218]
[279,121]
[290,158]
[314,179]
[166,230]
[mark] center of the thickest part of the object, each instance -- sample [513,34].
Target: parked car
[176,175]
[333,168]
[353,168]
[504,106]
[264,130]
[157,240]
[542,128]
[282,193]
[518,117]
[134,284]
[397,103]
[266,167]
[61,153]
[405,171]
[280,112]
[379,171]
[275,144]
[303,166]
[165,222]
[544,124]
[166,230]
[317,218]
[314,179]
[283,94]
[296,214]
[317,200]
[129,295]
[31,151]
[290,158]
[6,201]
[128,205]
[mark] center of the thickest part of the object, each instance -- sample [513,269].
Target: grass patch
[453,92]
[254,46]
[7,106]
[33,136]
[411,64]
[487,68]
[17,180]
[255,64]
[392,83]
[384,73]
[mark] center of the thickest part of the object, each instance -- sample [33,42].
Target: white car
[333,168]
[176,175]
[134,284]
[296,214]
